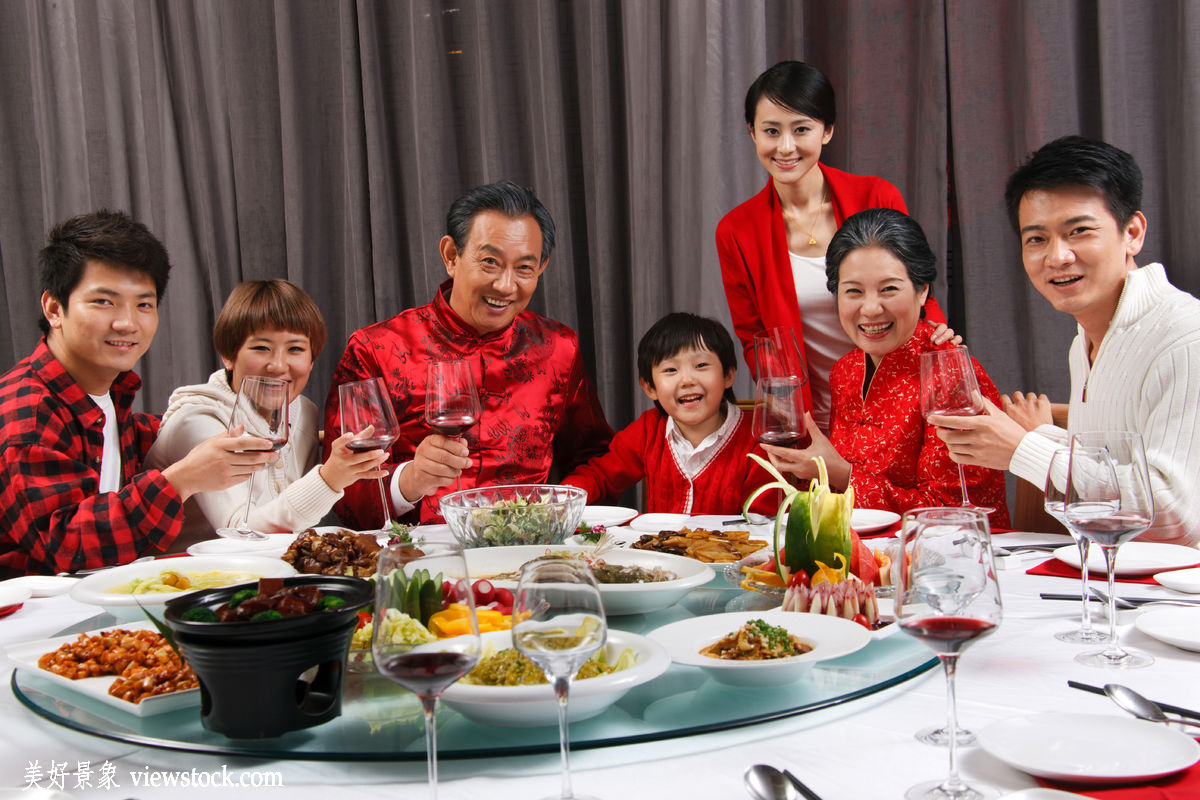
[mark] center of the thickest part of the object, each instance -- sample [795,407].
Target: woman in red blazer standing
[772,247]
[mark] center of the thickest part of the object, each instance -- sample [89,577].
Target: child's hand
[800,462]
[344,466]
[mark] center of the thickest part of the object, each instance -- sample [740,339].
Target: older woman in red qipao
[879,268]
[772,247]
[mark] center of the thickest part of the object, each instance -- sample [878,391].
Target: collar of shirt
[56,378]
[692,460]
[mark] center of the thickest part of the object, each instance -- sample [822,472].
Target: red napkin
[1057,569]
[890,530]
[1180,786]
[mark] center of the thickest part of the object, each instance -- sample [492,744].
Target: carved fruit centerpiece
[819,559]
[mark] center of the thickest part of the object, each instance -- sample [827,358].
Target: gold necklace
[811,239]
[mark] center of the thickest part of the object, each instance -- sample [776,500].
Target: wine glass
[366,410]
[451,402]
[1055,502]
[949,388]
[558,623]
[425,668]
[779,390]
[261,410]
[1108,500]
[947,597]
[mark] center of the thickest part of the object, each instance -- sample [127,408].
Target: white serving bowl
[618,598]
[830,637]
[95,588]
[534,706]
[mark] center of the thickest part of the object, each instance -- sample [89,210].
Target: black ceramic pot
[263,679]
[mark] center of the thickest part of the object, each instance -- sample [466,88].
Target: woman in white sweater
[269,328]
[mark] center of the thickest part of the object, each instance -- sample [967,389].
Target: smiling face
[788,143]
[497,270]
[690,386]
[105,326]
[1076,254]
[273,354]
[877,303]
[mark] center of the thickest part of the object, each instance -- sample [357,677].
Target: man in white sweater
[1135,362]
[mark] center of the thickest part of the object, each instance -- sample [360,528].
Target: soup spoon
[764,782]
[1140,706]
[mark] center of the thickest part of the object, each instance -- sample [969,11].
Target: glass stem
[562,686]
[962,483]
[1085,622]
[249,502]
[429,705]
[1113,652]
[387,512]
[953,783]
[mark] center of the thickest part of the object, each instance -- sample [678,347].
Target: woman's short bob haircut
[793,84]
[271,305]
[887,229]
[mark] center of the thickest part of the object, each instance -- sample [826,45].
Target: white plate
[94,588]
[43,585]
[1134,558]
[1175,626]
[432,533]
[1041,794]
[13,596]
[830,637]
[866,520]
[1092,749]
[273,546]
[1181,580]
[608,515]
[622,598]
[653,523]
[26,655]
[531,706]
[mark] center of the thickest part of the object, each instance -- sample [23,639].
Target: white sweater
[1145,378]
[288,495]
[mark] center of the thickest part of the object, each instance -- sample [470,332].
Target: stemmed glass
[779,390]
[947,597]
[558,623]
[949,388]
[425,668]
[451,402]
[1055,505]
[1109,501]
[261,410]
[366,410]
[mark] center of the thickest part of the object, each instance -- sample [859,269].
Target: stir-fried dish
[756,641]
[169,581]
[603,571]
[145,665]
[508,667]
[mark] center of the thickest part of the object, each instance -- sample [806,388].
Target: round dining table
[863,748]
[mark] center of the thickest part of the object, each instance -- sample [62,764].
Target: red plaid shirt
[55,518]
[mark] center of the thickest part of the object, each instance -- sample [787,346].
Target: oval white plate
[653,523]
[531,706]
[94,588]
[273,546]
[43,585]
[830,637]
[1089,749]
[1181,580]
[1134,558]
[866,520]
[618,598]
[608,515]
[1175,626]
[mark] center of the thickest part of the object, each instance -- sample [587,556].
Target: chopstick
[1177,710]
[1133,601]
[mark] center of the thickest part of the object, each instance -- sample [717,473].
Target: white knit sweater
[1145,378]
[290,495]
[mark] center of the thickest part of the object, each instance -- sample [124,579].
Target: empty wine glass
[947,597]
[261,410]
[451,402]
[1055,502]
[949,388]
[1109,501]
[366,410]
[426,668]
[558,623]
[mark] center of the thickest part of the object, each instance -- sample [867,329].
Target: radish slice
[485,592]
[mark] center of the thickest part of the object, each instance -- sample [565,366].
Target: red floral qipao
[538,403]
[899,462]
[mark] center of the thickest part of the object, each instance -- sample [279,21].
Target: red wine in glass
[947,634]
[427,673]
[276,444]
[451,400]
[372,443]
[451,425]
[785,439]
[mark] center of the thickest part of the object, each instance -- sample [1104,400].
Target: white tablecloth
[862,749]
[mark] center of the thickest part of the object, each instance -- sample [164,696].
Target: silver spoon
[764,782]
[1140,706]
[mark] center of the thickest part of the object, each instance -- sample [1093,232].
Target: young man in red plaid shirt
[73,491]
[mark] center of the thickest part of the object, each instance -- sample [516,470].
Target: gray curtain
[323,141]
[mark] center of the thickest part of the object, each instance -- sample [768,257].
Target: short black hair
[1078,161]
[110,237]
[679,331]
[506,197]
[890,230]
[793,84]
